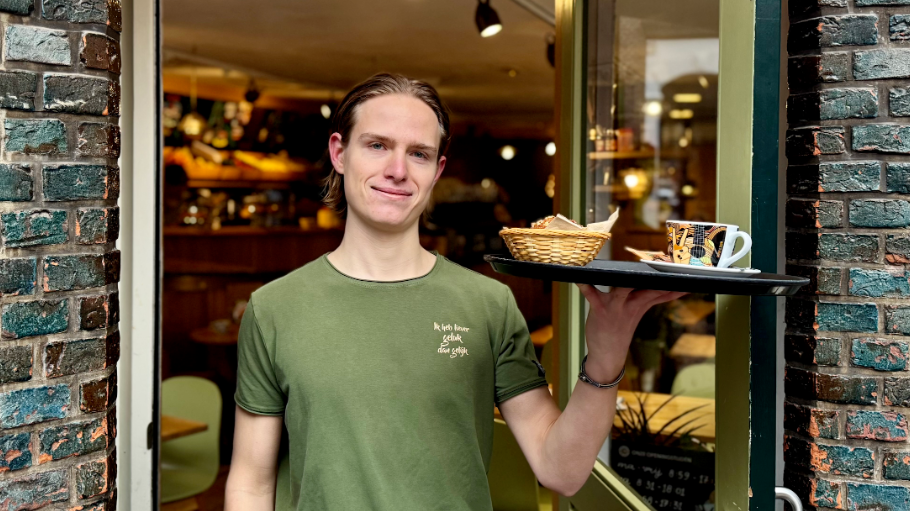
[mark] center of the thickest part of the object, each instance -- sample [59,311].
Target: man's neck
[369,254]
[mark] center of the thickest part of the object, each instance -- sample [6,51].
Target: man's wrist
[603,369]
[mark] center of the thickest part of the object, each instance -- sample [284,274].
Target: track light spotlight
[488,23]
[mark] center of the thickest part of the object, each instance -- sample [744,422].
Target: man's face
[390,162]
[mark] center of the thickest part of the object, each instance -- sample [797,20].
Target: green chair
[513,485]
[696,380]
[189,465]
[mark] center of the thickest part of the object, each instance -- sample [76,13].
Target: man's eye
[376,145]
[420,155]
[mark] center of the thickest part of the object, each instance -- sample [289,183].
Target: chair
[513,485]
[189,465]
[696,380]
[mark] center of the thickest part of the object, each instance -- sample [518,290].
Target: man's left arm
[561,447]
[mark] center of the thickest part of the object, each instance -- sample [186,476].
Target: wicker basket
[572,248]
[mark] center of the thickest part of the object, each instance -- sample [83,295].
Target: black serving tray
[642,276]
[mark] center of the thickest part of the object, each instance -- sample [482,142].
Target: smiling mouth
[393,192]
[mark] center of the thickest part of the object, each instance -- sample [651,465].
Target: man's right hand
[254,464]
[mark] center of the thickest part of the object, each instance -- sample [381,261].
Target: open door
[670,111]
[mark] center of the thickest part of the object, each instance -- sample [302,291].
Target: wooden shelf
[634,155]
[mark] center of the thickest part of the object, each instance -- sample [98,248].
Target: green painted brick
[844,460]
[871,3]
[17,89]
[35,136]
[897,319]
[877,496]
[39,317]
[847,103]
[848,247]
[76,94]
[75,182]
[18,276]
[879,354]
[828,281]
[15,364]
[899,27]
[897,249]
[33,405]
[896,465]
[883,138]
[849,176]
[847,317]
[884,426]
[15,182]
[74,439]
[23,7]
[33,227]
[879,283]
[898,177]
[830,213]
[36,44]
[879,213]
[881,63]
[828,31]
[65,273]
[84,11]
[815,140]
[97,226]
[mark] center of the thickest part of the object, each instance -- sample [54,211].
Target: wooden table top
[690,312]
[680,404]
[176,427]
[206,335]
[542,336]
[694,346]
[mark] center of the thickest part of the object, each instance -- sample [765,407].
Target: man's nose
[397,169]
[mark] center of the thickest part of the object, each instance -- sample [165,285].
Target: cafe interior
[248,91]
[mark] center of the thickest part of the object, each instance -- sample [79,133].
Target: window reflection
[651,111]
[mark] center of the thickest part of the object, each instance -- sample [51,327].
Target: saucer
[698,270]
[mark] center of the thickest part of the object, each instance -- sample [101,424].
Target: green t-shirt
[387,388]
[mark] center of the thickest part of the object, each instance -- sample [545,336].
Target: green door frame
[747,163]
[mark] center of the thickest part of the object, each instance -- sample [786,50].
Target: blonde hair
[345,117]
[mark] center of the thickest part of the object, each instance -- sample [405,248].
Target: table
[209,336]
[542,336]
[176,427]
[680,404]
[694,347]
[691,312]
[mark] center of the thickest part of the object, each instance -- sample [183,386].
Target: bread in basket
[540,244]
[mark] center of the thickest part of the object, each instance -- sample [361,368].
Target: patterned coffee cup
[705,243]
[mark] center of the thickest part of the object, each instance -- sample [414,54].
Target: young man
[384,360]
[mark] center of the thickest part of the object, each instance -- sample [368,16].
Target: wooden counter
[679,404]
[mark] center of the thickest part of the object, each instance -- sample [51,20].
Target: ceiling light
[326,111]
[684,142]
[703,81]
[487,20]
[631,180]
[681,114]
[507,152]
[653,108]
[486,182]
[551,49]
[551,149]
[252,93]
[687,97]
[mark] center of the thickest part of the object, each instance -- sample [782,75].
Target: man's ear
[441,165]
[336,152]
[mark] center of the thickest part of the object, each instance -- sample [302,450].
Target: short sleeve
[517,368]
[258,390]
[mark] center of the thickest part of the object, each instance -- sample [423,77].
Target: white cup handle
[747,245]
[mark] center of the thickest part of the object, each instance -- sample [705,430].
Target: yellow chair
[513,485]
[189,465]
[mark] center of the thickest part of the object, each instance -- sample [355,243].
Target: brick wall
[848,229]
[59,268]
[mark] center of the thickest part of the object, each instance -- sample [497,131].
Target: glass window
[651,115]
